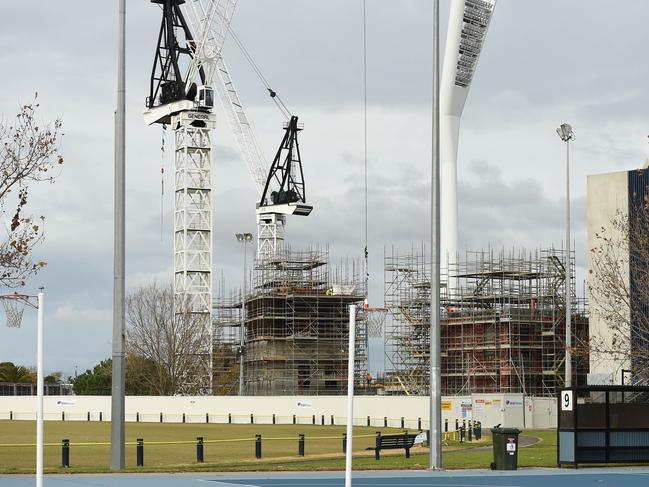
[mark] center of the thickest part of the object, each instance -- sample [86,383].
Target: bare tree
[29,153]
[174,342]
[619,291]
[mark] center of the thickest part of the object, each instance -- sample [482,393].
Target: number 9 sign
[566,400]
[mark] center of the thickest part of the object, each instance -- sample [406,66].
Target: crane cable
[367,269]
[162,180]
[273,94]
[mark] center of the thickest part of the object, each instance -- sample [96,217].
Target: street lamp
[566,134]
[243,238]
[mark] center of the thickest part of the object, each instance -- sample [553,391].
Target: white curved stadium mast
[467,29]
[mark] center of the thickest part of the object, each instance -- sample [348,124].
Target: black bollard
[257,447]
[137,417]
[368,421]
[322,420]
[294,419]
[457,426]
[11,415]
[252,419]
[344,442]
[377,449]
[273,418]
[101,416]
[199,449]
[405,442]
[161,417]
[207,418]
[446,425]
[229,418]
[313,419]
[65,453]
[419,424]
[88,415]
[300,445]
[402,422]
[385,421]
[183,417]
[62,415]
[332,420]
[140,452]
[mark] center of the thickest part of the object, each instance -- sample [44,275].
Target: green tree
[16,373]
[95,382]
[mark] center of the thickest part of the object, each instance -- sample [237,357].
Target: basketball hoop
[375,318]
[14,305]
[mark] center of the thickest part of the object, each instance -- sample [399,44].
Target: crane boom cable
[255,67]
[367,273]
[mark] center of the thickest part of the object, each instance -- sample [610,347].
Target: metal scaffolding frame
[503,325]
[296,326]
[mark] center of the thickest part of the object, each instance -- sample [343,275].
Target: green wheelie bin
[505,444]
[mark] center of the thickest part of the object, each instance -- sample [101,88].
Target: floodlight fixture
[244,237]
[565,132]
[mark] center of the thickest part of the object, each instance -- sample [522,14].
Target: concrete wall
[506,409]
[608,194]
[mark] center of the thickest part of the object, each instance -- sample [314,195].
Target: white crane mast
[185,100]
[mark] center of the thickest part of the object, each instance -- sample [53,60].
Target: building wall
[607,194]
[512,410]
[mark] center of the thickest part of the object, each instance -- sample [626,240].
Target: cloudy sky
[543,64]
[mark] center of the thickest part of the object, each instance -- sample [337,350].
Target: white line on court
[226,484]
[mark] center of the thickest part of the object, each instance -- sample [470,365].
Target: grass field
[323,448]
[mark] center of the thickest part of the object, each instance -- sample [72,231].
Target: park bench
[393,442]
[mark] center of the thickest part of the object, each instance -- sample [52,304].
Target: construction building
[296,328]
[503,326]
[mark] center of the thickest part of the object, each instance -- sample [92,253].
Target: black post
[470,433]
[11,415]
[229,418]
[199,449]
[402,422]
[462,432]
[313,419]
[101,416]
[377,449]
[419,424]
[294,419]
[344,442]
[273,418]
[140,452]
[88,415]
[464,424]
[300,445]
[457,426]
[385,421]
[207,418]
[446,425]
[368,421]
[257,447]
[252,418]
[322,420]
[137,417]
[183,417]
[405,442]
[161,417]
[332,420]
[62,415]
[65,453]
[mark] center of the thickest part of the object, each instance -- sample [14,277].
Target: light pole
[566,134]
[435,386]
[243,238]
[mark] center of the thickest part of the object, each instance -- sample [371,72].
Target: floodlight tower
[467,29]
[190,41]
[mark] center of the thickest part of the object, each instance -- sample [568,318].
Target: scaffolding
[296,325]
[503,324]
[226,339]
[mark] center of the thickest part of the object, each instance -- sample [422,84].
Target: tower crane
[281,187]
[181,95]
[187,63]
